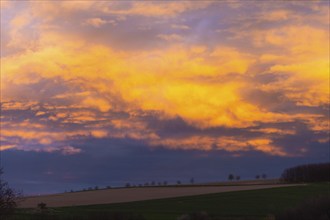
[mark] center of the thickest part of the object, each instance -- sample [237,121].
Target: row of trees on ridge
[307,173]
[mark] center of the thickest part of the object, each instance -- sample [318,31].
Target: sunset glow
[210,76]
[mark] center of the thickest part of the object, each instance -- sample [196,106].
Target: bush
[313,209]
[206,216]
[195,216]
[42,206]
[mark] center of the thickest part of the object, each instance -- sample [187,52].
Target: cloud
[155,9]
[69,150]
[5,4]
[229,144]
[98,22]
[66,79]
[52,10]
[170,37]
[6,147]
[180,27]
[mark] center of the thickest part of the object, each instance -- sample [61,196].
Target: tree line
[307,173]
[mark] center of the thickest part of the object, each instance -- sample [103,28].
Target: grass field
[254,204]
[133,194]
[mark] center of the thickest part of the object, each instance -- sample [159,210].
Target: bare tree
[8,197]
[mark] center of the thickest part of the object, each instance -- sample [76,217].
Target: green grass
[252,203]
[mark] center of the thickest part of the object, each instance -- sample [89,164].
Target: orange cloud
[202,83]
[170,37]
[180,27]
[7,147]
[275,131]
[230,144]
[155,9]
[98,22]
[231,60]
[159,80]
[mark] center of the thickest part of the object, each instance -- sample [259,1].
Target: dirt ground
[107,196]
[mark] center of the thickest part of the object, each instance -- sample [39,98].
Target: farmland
[254,203]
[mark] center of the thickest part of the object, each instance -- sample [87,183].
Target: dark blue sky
[116,162]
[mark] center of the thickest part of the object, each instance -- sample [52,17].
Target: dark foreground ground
[252,204]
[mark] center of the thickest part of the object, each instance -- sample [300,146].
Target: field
[251,204]
[120,195]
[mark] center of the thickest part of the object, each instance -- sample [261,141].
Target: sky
[98,93]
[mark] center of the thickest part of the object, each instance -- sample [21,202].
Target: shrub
[195,216]
[313,209]
[42,206]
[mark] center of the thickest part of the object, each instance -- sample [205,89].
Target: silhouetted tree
[128,185]
[165,183]
[8,198]
[307,173]
[178,182]
[238,178]
[231,177]
[264,176]
[96,187]
[153,183]
[192,180]
[257,177]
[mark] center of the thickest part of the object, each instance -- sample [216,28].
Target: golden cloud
[230,144]
[200,83]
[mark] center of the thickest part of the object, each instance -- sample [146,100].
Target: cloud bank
[207,76]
